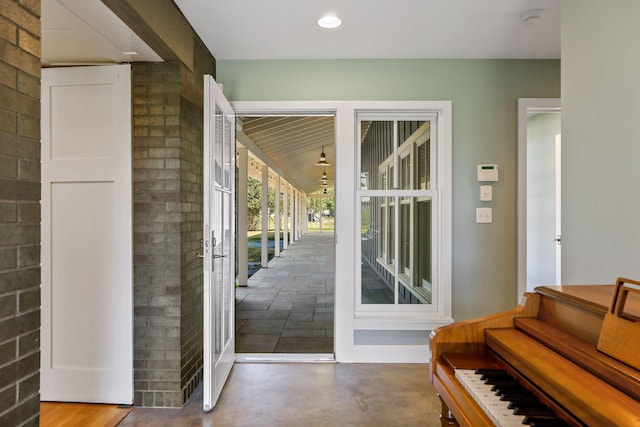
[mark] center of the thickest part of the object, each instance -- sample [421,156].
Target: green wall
[484,95]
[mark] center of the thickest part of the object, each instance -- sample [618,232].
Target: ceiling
[294,143]
[287,29]
[104,37]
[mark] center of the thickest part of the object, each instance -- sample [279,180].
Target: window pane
[396,228]
[227,153]
[416,279]
[377,276]
[407,130]
[405,239]
[414,155]
[423,165]
[405,172]
[376,155]
[218,146]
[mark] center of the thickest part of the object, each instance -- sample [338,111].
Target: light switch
[485,193]
[483,216]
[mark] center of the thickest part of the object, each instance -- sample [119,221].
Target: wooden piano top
[580,308]
[598,295]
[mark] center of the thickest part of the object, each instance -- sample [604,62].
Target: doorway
[539,193]
[285,305]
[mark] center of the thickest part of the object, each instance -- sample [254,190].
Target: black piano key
[519,401]
[543,422]
[483,371]
[536,410]
[499,380]
[508,388]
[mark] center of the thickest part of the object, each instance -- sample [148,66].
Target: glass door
[218,241]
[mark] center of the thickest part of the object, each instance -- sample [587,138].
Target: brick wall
[167,170]
[156,231]
[191,163]
[19,212]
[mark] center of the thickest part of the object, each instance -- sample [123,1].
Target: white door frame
[525,106]
[346,323]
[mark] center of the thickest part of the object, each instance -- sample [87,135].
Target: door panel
[87,307]
[219,263]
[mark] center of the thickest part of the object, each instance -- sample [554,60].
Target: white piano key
[495,408]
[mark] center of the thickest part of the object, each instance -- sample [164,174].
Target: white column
[321,199]
[300,214]
[285,236]
[243,244]
[264,208]
[294,220]
[305,217]
[300,202]
[276,238]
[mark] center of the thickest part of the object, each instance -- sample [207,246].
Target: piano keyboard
[507,403]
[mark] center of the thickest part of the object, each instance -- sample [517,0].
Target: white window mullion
[396,252]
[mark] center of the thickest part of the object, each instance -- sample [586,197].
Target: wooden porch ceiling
[294,144]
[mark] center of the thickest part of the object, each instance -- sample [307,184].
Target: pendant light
[323,159]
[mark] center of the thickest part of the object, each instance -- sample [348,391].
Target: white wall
[601,140]
[542,129]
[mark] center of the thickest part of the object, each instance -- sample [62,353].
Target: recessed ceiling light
[329,21]
[130,52]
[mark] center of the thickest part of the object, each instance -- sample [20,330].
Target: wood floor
[54,414]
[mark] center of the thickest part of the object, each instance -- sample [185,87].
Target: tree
[254,200]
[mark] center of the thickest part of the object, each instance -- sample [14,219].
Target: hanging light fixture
[323,159]
[324,176]
[325,191]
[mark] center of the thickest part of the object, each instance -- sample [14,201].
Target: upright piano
[565,356]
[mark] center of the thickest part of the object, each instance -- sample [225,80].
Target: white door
[539,199]
[219,239]
[87,307]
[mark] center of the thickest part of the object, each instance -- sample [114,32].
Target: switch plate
[485,193]
[483,216]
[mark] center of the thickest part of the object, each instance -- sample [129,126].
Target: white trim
[526,105]
[285,357]
[346,208]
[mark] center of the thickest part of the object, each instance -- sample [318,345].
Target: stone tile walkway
[288,307]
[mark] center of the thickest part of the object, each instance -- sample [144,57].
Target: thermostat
[487,172]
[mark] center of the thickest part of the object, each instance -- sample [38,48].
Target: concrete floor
[310,395]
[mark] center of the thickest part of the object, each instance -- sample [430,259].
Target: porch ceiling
[294,144]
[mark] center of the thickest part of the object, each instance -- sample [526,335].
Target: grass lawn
[255,252]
